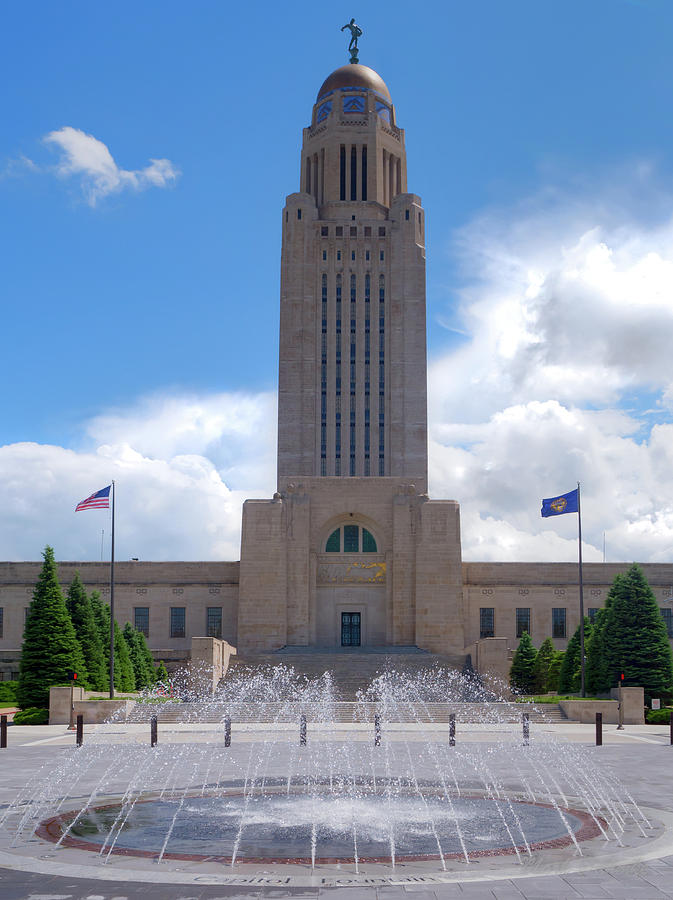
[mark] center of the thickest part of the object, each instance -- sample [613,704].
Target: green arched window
[351,539]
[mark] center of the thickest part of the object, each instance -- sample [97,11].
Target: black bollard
[526,729]
[452,729]
[302,730]
[672,728]
[227,731]
[377,730]
[599,729]
[79,735]
[153,731]
[3,732]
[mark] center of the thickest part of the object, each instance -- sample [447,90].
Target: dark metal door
[350,629]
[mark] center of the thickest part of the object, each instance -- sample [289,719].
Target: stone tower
[350,551]
[352,380]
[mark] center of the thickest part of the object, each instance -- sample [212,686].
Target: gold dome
[354,75]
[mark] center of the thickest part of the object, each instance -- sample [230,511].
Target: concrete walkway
[640,756]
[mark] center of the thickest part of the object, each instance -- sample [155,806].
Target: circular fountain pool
[320,826]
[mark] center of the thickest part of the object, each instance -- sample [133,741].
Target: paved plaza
[640,757]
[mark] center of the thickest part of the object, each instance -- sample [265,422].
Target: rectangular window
[214,621]
[338,254]
[339,231]
[367,255]
[592,613]
[299,214]
[382,255]
[667,615]
[353,255]
[324,255]
[354,231]
[342,173]
[177,621]
[558,622]
[364,173]
[351,538]
[324,231]
[368,230]
[354,173]
[406,214]
[2,622]
[141,619]
[382,232]
[486,622]
[522,620]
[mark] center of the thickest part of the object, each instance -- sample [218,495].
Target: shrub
[8,692]
[521,677]
[658,716]
[32,716]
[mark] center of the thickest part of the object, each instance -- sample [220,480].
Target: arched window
[351,539]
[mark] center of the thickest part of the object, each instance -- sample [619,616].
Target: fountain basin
[318,825]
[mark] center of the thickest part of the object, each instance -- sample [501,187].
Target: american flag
[99,500]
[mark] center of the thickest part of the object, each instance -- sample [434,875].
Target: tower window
[406,214]
[354,173]
[342,173]
[333,544]
[354,231]
[381,255]
[368,231]
[299,214]
[367,255]
[339,254]
[382,232]
[353,255]
[339,231]
[324,255]
[364,173]
[324,231]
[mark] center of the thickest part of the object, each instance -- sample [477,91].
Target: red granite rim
[52,830]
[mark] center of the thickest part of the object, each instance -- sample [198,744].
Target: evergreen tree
[161,672]
[597,678]
[124,677]
[84,623]
[50,646]
[570,676]
[147,655]
[554,672]
[543,661]
[635,639]
[521,677]
[144,675]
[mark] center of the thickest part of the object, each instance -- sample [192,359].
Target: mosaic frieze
[352,573]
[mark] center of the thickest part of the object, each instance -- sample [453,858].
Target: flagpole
[581,586]
[112,599]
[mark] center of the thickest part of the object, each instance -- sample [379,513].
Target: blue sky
[141,297]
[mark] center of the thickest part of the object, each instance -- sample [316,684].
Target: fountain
[423,771]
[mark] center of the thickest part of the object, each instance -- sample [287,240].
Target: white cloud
[174,501]
[564,375]
[85,156]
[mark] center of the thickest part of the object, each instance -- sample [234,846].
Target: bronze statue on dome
[356,32]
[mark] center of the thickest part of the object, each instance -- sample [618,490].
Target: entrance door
[350,629]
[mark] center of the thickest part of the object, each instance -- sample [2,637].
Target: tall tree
[570,676]
[50,646]
[144,673]
[543,661]
[635,639]
[124,677]
[521,677]
[554,672]
[84,623]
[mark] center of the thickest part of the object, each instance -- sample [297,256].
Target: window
[382,232]
[355,540]
[177,621]
[141,619]
[299,214]
[368,230]
[214,621]
[324,231]
[324,255]
[406,214]
[367,255]
[2,621]
[592,612]
[354,231]
[339,231]
[338,254]
[382,255]
[558,622]
[353,255]
[667,615]
[522,620]
[486,622]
